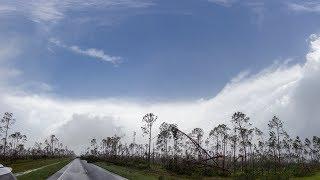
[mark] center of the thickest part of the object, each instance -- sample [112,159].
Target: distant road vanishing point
[81,170]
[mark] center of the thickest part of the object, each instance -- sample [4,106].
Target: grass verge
[128,173]
[28,164]
[154,173]
[45,172]
[313,177]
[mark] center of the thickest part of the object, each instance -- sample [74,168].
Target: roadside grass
[45,172]
[28,164]
[155,173]
[132,173]
[313,177]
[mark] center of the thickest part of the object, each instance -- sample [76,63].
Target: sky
[92,68]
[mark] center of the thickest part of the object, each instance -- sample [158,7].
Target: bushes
[138,163]
[179,168]
[90,158]
[286,171]
[190,168]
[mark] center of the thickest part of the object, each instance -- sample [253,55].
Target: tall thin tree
[277,133]
[148,119]
[7,121]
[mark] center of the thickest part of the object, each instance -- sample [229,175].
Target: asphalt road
[81,170]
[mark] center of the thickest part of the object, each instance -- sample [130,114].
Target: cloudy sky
[92,68]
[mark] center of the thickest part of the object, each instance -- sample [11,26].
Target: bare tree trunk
[224,155]
[245,156]
[234,157]
[278,147]
[5,139]
[149,146]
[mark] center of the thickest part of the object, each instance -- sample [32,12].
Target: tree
[177,139]
[148,119]
[7,121]
[222,131]
[298,148]
[133,145]
[276,133]
[18,139]
[37,148]
[215,137]
[243,128]
[220,134]
[234,141]
[94,146]
[183,152]
[197,134]
[104,146]
[308,149]
[163,137]
[53,140]
[115,144]
[316,147]
[287,144]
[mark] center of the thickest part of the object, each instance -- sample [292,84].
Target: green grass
[314,177]
[45,172]
[158,173]
[128,173]
[24,165]
[132,173]
[155,173]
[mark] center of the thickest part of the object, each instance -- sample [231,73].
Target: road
[81,170]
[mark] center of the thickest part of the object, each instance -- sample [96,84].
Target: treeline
[12,145]
[237,150]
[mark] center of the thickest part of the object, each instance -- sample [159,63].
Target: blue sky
[68,66]
[168,49]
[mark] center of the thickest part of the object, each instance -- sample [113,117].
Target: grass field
[314,177]
[52,166]
[24,165]
[157,173]
[45,172]
[127,172]
[154,174]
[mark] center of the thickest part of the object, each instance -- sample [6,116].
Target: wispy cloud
[91,52]
[226,3]
[257,7]
[51,11]
[5,8]
[45,11]
[305,6]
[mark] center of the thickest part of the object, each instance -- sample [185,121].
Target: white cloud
[91,52]
[242,75]
[51,11]
[226,3]
[96,53]
[9,49]
[290,91]
[45,11]
[305,6]
[5,9]
[256,7]
[95,126]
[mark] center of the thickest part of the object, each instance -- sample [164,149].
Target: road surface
[81,170]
